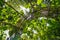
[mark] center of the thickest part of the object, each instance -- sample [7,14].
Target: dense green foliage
[30,19]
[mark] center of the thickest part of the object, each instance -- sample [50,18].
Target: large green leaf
[39,2]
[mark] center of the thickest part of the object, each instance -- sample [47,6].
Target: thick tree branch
[11,7]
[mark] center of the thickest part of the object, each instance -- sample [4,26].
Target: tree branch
[11,7]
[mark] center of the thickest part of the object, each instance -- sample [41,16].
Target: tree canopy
[29,19]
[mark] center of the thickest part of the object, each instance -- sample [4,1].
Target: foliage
[30,19]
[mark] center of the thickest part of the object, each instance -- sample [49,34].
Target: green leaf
[39,2]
